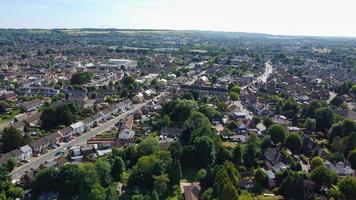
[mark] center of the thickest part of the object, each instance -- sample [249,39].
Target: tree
[64,114]
[183,109]
[277,133]
[222,155]
[176,150]
[237,155]
[80,78]
[352,158]
[154,195]
[310,124]
[160,183]
[117,168]
[97,193]
[353,89]
[316,162]
[148,146]
[249,156]
[313,106]
[128,80]
[4,106]
[236,89]
[294,142]
[324,118]
[323,176]
[267,121]
[204,151]
[175,173]
[347,187]
[234,96]
[210,112]
[337,101]
[110,193]
[227,181]
[104,171]
[261,177]
[165,121]
[292,186]
[11,139]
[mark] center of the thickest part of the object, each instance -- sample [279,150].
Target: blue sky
[290,17]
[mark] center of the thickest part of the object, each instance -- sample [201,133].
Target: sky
[283,17]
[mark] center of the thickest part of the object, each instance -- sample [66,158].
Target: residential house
[33,120]
[67,133]
[126,134]
[191,191]
[79,98]
[171,132]
[88,123]
[78,127]
[53,139]
[30,105]
[18,155]
[5,157]
[39,146]
[27,152]
[19,126]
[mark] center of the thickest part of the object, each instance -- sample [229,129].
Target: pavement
[36,162]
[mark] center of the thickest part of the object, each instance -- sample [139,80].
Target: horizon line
[193,30]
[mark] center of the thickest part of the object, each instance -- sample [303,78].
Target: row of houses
[53,140]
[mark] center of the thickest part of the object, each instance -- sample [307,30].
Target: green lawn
[248,196]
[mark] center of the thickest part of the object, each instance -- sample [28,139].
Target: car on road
[59,153]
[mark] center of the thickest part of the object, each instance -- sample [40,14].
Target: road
[36,162]
[263,78]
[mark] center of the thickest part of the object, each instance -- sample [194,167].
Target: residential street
[82,139]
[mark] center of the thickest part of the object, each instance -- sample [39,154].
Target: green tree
[292,186]
[316,162]
[323,176]
[104,171]
[347,187]
[227,181]
[175,173]
[261,177]
[118,168]
[324,118]
[294,142]
[236,89]
[154,195]
[110,193]
[11,139]
[234,96]
[176,150]
[222,155]
[267,121]
[313,106]
[80,78]
[237,155]
[97,193]
[352,158]
[161,183]
[148,146]
[310,124]
[204,151]
[277,133]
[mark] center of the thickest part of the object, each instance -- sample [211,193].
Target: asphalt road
[36,162]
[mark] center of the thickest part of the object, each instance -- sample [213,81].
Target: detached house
[78,127]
